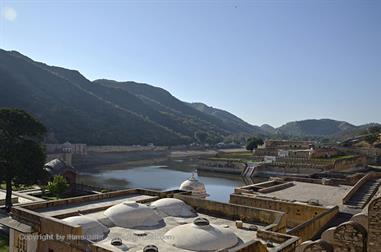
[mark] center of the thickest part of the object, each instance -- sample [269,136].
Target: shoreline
[101,161]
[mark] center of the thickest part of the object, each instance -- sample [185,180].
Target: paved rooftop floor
[301,191]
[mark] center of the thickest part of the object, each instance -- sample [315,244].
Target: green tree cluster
[253,142]
[22,156]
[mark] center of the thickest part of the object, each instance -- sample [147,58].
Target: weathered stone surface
[374,225]
[319,246]
[350,236]
[327,235]
[362,219]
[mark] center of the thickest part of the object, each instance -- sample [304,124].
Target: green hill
[232,122]
[315,128]
[103,111]
[107,112]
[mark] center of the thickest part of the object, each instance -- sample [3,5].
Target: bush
[58,186]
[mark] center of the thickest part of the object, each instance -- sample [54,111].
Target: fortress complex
[282,214]
[301,158]
[284,158]
[145,220]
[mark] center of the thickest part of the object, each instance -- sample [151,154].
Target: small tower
[194,185]
[67,153]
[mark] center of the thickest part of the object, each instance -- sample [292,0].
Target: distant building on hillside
[65,151]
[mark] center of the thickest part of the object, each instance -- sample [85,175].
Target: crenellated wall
[122,148]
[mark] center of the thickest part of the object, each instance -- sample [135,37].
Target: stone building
[62,164]
[58,167]
[308,220]
[145,220]
[65,151]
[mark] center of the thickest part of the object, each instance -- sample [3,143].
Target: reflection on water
[164,178]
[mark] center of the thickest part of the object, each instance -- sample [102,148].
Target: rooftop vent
[150,248]
[131,203]
[270,244]
[140,233]
[201,221]
[181,222]
[116,241]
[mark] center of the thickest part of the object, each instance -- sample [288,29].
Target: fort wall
[310,228]
[121,148]
[305,220]
[224,165]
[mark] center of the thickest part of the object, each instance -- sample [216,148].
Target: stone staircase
[364,194]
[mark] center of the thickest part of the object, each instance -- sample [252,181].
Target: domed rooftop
[66,145]
[130,214]
[201,236]
[57,166]
[93,229]
[195,186]
[173,207]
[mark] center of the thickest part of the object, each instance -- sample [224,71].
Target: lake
[163,177]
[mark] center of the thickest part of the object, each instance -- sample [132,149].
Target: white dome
[195,186]
[201,236]
[93,229]
[130,214]
[173,207]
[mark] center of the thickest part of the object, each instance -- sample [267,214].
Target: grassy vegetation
[3,244]
[240,156]
[246,155]
[17,187]
[337,157]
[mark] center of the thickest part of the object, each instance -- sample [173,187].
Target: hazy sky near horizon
[265,61]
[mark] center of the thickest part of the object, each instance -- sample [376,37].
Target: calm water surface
[218,186]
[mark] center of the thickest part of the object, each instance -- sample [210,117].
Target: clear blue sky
[265,61]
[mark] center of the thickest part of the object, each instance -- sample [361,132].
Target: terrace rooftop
[325,195]
[154,236]
[244,226]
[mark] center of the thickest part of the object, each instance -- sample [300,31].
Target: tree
[58,186]
[22,156]
[201,136]
[253,142]
[374,129]
[371,138]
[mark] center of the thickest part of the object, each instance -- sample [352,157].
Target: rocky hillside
[103,111]
[231,121]
[107,112]
[315,128]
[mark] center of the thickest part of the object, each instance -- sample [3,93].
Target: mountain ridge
[100,112]
[127,112]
